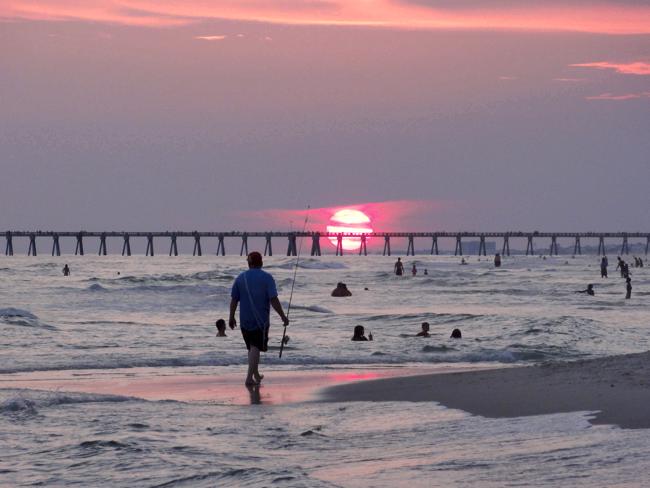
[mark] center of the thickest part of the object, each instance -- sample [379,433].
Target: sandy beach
[616,389]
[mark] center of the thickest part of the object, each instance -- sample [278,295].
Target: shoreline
[615,388]
[207,384]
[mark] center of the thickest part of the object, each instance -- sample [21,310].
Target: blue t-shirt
[261,288]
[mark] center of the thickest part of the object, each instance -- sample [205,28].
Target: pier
[532,239]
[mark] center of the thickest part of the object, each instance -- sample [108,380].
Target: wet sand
[616,389]
[219,386]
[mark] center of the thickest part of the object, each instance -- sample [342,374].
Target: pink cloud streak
[625,96]
[605,17]
[640,68]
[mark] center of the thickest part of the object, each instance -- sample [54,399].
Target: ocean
[158,313]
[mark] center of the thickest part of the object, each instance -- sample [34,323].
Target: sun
[347,221]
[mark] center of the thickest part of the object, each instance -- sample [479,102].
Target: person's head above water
[590,286]
[358,331]
[425,326]
[221,327]
[254,260]
[456,334]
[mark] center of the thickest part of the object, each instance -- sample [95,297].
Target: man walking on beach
[256,290]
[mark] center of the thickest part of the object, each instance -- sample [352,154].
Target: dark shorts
[256,337]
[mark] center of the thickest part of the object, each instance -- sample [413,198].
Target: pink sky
[237,114]
[594,17]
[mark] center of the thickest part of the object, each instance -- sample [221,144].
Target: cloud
[625,96]
[606,16]
[507,78]
[641,68]
[570,80]
[210,38]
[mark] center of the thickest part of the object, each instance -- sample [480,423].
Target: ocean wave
[31,401]
[197,289]
[441,348]
[309,308]
[212,275]
[367,354]
[309,264]
[22,318]
[432,318]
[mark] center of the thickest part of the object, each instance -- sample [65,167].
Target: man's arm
[233,308]
[277,306]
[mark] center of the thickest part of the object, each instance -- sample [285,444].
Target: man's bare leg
[253,364]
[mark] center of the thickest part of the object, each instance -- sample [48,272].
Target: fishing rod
[293,282]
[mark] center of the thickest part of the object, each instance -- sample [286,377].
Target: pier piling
[149,251]
[553,250]
[126,247]
[32,245]
[339,245]
[624,247]
[459,246]
[505,251]
[577,249]
[410,248]
[221,247]
[481,246]
[244,245]
[56,249]
[315,244]
[529,246]
[268,248]
[292,249]
[173,247]
[79,248]
[363,248]
[386,245]
[102,244]
[434,245]
[9,247]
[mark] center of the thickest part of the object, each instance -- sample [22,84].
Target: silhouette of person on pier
[66,270]
[399,267]
[588,291]
[603,267]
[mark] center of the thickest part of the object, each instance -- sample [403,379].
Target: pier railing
[81,237]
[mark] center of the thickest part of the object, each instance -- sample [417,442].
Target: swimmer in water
[221,328]
[399,267]
[456,334]
[588,291]
[425,330]
[359,332]
[341,290]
